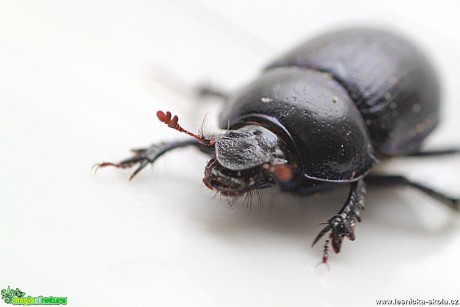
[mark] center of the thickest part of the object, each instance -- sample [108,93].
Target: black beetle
[319,117]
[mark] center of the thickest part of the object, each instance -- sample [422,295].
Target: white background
[81,81]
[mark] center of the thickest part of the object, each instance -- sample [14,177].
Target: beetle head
[245,159]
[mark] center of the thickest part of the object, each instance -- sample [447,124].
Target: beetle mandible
[319,117]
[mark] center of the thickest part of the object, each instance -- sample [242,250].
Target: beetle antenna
[172,122]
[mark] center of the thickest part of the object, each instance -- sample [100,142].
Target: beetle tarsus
[325,252]
[144,156]
[343,223]
[325,258]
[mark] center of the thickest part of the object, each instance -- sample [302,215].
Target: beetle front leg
[342,224]
[144,156]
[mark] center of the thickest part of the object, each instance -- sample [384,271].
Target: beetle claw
[321,234]
[342,224]
[142,164]
[98,166]
[142,156]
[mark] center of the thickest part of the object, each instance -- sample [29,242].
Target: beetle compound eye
[282,172]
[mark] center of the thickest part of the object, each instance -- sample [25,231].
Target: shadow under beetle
[319,117]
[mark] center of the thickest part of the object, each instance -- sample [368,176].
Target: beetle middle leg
[211,91]
[342,224]
[144,156]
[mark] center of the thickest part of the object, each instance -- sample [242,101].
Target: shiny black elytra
[319,117]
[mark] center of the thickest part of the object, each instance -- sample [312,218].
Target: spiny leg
[173,82]
[148,155]
[398,180]
[207,90]
[144,156]
[342,224]
[436,152]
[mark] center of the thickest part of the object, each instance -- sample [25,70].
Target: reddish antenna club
[172,122]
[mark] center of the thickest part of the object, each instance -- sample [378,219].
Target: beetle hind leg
[342,224]
[398,180]
[436,152]
[143,156]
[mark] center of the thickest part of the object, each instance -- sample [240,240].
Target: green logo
[17,297]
